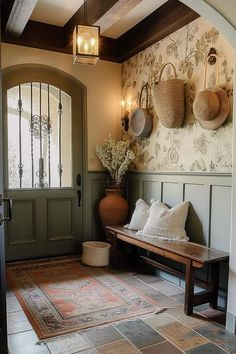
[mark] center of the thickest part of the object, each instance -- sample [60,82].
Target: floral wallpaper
[189,148]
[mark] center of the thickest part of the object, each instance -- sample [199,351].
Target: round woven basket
[96,253]
[168,99]
[141,118]
[141,123]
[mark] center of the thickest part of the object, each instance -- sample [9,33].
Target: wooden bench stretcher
[192,255]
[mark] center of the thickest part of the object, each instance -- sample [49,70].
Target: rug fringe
[116,323]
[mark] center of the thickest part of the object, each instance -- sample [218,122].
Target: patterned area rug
[61,295]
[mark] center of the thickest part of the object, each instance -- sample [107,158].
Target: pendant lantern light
[86,42]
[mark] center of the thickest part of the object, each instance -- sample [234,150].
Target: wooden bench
[192,255]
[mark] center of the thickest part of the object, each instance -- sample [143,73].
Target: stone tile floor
[169,332]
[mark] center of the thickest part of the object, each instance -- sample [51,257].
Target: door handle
[79,197]
[78,179]
[9,209]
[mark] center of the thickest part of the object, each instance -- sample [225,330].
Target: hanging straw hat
[211,107]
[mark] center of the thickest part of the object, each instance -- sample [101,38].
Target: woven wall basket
[141,119]
[168,99]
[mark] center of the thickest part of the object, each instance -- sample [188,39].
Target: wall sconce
[125,105]
[86,42]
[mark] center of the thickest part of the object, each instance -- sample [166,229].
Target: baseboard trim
[231,322]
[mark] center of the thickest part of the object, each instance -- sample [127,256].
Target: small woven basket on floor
[168,99]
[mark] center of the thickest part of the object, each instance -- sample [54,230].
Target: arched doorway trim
[214,17]
[23,74]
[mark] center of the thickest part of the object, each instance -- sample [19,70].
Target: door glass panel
[39,137]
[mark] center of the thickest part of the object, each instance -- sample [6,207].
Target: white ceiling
[56,12]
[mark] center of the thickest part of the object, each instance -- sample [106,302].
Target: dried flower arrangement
[116,157]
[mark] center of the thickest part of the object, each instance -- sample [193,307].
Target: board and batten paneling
[96,181]
[209,216]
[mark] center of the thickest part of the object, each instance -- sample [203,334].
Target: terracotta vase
[113,208]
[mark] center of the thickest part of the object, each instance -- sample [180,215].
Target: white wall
[103,90]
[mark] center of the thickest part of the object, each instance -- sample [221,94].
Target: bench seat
[190,254]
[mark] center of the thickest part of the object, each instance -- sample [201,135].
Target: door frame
[24,73]
[3,315]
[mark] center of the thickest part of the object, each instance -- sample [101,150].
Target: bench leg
[115,254]
[189,289]
[214,284]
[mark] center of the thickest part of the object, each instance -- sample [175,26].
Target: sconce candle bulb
[122,104]
[126,105]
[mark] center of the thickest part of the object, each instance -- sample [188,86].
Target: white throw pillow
[140,215]
[165,223]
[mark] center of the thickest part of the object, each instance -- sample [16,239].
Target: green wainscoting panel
[95,191]
[209,217]
[151,190]
[220,217]
[134,192]
[197,225]
[172,193]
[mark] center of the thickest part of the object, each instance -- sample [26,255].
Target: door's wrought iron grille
[45,125]
[31,135]
[49,141]
[20,165]
[60,112]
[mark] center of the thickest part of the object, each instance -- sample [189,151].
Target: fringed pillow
[165,223]
[140,215]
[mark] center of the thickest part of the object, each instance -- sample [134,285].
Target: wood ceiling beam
[167,19]
[6,7]
[95,10]
[44,36]
[16,14]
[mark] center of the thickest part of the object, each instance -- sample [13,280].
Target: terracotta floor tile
[218,335]
[102,336]
[159,320]
[208,348]
[163,300]
[139,333]
[161,348]
[119,347]
[167,288]
[191,321]
[182,336]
